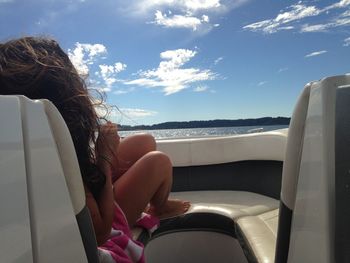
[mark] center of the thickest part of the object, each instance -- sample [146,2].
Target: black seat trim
[210,222]
[342,178]
[283,233]
[87,233]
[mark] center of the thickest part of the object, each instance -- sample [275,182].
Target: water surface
[202,132]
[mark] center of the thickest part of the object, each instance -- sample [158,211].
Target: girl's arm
[102,210]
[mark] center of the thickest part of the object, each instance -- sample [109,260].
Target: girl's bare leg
[132,148]
[149,180]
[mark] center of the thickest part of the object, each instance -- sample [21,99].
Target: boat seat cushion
[233,204]
[257,235]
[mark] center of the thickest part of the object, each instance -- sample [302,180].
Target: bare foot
[171,208]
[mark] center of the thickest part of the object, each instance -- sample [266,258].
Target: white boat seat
[60,225]
[233,204]
[255,218]
[71,170]
[307,199]
[210,221]
[258,236]
[320,228]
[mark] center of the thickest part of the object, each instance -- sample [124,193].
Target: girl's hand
[107,143]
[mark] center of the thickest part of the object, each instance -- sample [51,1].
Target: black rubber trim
[247,250]
[144,237]
[283,233]
[342,175]
[261,177]
[87,233]
[197,222]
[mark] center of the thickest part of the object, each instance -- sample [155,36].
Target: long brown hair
[39,69]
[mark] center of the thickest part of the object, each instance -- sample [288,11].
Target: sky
[183,60]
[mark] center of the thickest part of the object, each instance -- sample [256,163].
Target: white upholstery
[55,235]
[259,233]
[67,156]
[15,233]
[233,204]
[202,151]
[74,183]
[321,210]
[291,164]
[307,185]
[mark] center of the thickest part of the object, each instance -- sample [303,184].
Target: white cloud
[104,89]
[123,91]
[112,112]
[317,53]
[170,75]
[200,89]
[179,21]
[93,84]
[205,18]
[341,20]
[198,15]
[282,69]
[290,19]
[345,14]
[261,83]
[108,72]
[187,5]
[340,4]
[218,60]
[347,42]
[297,12]
[84,54]
[137,113]
[314,28]
[201,4]
[118,67]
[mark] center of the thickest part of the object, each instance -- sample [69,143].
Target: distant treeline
[266,121]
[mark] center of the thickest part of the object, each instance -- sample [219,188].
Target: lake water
[203,132]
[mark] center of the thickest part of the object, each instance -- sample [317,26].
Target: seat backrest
[290,174]
[71,170]
[15,230]
[41,164]
[312,221]
[321,212]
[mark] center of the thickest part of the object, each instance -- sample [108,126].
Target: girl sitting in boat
[39,69]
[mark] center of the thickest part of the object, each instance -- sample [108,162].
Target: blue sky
[181,60]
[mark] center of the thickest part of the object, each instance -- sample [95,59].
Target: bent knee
[145,139]
[149,139]
[159,158]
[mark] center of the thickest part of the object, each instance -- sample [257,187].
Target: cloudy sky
[180,60]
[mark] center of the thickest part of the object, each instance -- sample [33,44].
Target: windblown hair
[39,69]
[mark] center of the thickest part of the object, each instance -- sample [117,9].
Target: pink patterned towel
[120,247]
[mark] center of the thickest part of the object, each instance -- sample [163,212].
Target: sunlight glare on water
[201,132]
